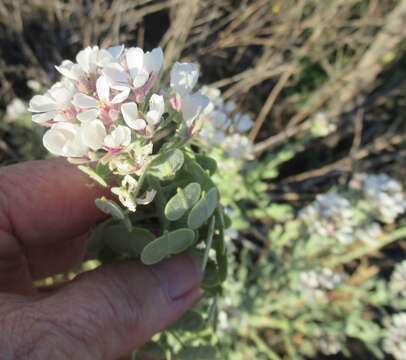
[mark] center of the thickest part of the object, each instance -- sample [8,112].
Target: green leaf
[165,166]
[203,209]
[197,352]
[211,276]
[198,173]
[122,241]
[207,163]
[152,350]
[209,242]
[170,243]
[190,321]
[182,201]
[93,175]
[95,242]
[110,207]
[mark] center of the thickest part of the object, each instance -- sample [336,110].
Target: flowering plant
[114,117]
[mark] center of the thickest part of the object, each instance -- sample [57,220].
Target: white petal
[157,103]
[139,76]
[88,115]
[103,58]
[44,117]
[116,74]
[103,89]
[82,58]
[153,60]
[61,95]
[84,101]
[120,136]
[130,112]
[70,70]
[193,105]
[153,117]
[54,141]
[184,77]
[134,58]
[131,117]
[116,51]
[121,96]
[41,103]
[243,122]
[93,134]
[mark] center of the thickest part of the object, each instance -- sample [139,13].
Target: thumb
[116,308]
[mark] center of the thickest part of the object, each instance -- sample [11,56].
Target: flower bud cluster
[226,127]
[395,341]
[315,284]
[330,215]
[384,194]
[397,284]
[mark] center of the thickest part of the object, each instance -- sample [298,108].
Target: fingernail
[180,274]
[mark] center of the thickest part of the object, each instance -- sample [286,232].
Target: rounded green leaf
[204,208]
[110,207]
[206,352]
[166,165]
[190,321]
[211,276]
[170,243]
[122,241]
[182,201]
[207,163]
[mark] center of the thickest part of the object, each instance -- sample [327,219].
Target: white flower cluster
[224,126]
[383,193]
[315,284]
[108,106]
[397,284]
[395,341]
[330,215]
[105,101]
[329,344]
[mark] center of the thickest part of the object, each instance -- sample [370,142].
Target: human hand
[46,211]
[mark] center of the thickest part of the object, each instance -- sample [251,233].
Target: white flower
[152,118]
[93,133]
[54,105]
[192,106]
[242,122]
[97,107]
[238,146]
[88,60]
[120,137]
[156,109]
[136,71]
[125,192]
[184,77]
[397,284]
[15,109]
[395,341]
[64,139]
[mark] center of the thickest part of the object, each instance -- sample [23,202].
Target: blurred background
[315,185]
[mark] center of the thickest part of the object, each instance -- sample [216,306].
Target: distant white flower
[64,139]
[395,340]
[384,194]
[54,105]
[184,78]
[237,146]
[397,284]
[331,216]
[315,284]
[192,106]
[120,137]
[242,122]
[15,109]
